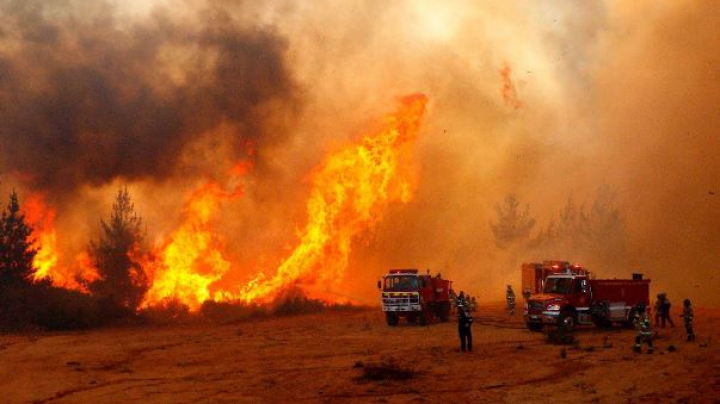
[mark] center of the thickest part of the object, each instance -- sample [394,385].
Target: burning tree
[512,226]
[122,281]
[17,250]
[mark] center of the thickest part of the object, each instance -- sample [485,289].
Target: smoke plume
[89,97]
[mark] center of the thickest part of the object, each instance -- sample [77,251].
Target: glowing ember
[349,192]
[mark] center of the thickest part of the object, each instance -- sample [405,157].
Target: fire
[192,259]
[349,191]
[42,219]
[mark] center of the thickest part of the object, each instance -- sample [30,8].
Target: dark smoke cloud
[87,96]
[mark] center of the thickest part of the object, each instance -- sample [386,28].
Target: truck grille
[401,300]
[535,306]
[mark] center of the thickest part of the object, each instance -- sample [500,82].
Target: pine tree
[596,236]
[512,226]
[17,250]
[603,228]
[122,281]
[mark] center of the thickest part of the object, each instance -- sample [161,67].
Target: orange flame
[349,192]
[42,218]
[192,259]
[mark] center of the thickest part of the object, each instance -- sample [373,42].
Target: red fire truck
[417,297]
[567,295]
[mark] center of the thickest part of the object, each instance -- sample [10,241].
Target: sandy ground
[322,357]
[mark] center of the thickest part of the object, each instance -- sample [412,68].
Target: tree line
[593,231]
[116,293]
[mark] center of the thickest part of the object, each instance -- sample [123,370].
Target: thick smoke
[88,97]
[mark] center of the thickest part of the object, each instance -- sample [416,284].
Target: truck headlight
[553,307]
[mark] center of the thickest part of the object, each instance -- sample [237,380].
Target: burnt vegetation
[386,369]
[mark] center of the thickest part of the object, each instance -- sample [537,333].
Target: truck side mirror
[379,285]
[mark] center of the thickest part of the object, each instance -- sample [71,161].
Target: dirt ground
[324,357]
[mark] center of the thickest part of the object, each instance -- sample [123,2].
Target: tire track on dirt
[560,373]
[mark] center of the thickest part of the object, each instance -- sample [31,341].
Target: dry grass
[388,369]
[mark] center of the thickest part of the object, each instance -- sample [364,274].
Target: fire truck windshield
[401,284]
[558,285]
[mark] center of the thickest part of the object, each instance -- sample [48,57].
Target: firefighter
[461,299]
[665,312]
[510,299]
[465,321]
[526,294]
[453,301]
[642,323]
[688,319]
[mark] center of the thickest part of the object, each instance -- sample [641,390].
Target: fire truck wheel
[444,312]
[568,318]
[422,319]
[392,318]
[601,322]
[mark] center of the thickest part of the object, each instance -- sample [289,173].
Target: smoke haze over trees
[594,235]
[512,226]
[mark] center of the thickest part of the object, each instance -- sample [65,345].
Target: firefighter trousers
[689,330]
[465,338]
[646,338]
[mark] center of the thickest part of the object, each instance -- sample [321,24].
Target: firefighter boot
[650,350]
[636,348]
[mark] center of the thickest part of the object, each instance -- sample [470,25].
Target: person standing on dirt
[465,321]
[665,312]
[658,308]
[510,299]
[688,319]
[642,322]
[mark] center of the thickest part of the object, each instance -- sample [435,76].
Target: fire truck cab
[569,297]
[417,297]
